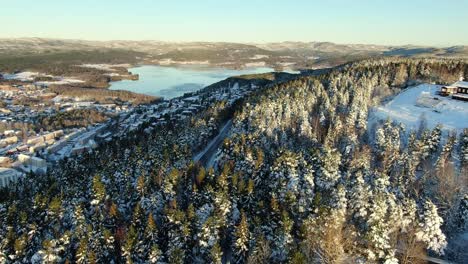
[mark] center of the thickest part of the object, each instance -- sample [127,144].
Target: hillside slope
[278,55]
[301,179]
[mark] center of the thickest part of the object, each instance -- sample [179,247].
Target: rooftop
[7,172]
[460,84]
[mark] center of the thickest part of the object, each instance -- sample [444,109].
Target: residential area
[22,150]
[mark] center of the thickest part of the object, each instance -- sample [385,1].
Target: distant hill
[280,55]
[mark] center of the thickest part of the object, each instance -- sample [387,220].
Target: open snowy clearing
[105,67]
[29,76]
[21,76]
[256,64]
[422,102]
[259,57]
[60,81]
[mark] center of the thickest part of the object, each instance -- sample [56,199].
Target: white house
[7,176]
[33,164]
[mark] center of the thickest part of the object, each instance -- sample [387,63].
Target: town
[24,151]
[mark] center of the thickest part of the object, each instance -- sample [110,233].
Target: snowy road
[206,156]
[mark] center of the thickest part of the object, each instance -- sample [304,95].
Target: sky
[389,22]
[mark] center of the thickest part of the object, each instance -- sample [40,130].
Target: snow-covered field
[421,102]
[287,63]
[29,76]
[259,57]
[105,67]
[60,81]
[255,64]
[170,62]
[22,76]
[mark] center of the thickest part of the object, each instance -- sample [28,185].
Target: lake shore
[174,81]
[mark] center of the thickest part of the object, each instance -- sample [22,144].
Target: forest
[62,62]
[301,179]
[103,96]
[74,118]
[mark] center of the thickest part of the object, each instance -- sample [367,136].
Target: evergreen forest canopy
[302,179]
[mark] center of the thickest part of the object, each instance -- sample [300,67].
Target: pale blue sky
[428,22]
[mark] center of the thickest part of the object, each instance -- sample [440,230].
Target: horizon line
[235,42]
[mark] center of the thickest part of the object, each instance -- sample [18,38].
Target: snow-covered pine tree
[429,230]
[242,238]
[328,172]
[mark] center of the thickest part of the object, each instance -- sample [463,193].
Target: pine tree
[20,246]
[463,150]
[463,213]
[128,247]
[216,254]
[241,243]
[378,231]
[82,251]
[328,173]
[261,251]
[3,257]
[282,239]
[285,177]
[49,252]
[154,254]
[141,185]
[429,230]
[430,142]
[359,197]
[99,190]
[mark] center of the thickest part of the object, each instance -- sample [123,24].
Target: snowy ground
[255,64]
[259,57]
[105,67]
[22,76]
[421,102]
[170,62]
[59,81]
[29,76]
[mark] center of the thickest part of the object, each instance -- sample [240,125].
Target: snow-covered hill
[422,102]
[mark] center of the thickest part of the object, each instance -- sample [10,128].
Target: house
[35,140]
[458,90]
[9,133]
[8,141]
[5,162]
[462,91]
[7,176]
[78,150]
[448,90]
[33,164]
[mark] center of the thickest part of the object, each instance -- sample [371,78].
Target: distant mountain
[279,55]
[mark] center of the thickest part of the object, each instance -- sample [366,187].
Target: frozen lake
[170,82]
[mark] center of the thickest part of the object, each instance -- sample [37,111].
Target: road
[206,156]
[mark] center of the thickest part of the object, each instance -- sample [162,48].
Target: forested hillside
[17,54]
[302,179]
[322,187]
